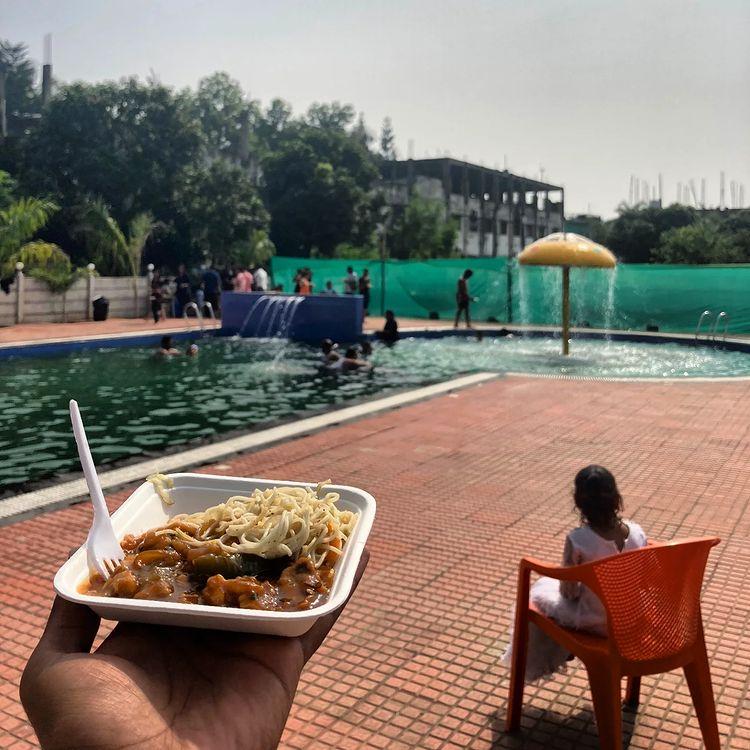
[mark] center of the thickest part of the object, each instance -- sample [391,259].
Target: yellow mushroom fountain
[566,249]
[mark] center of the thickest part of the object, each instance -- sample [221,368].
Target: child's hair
[596,496]
[166,342]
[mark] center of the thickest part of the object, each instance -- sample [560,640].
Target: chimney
[47,70]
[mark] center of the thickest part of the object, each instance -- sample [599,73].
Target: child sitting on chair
[602,533]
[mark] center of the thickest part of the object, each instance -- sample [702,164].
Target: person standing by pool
[212,287]
[329,290]
[305,282]
[182,293]
[463,298]
[243,281]
[351,282]
[156,295]
[260,279]
[365,284]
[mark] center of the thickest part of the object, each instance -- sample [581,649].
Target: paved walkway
[28,332]
[466,484]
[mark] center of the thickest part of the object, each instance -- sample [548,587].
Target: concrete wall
[40,305]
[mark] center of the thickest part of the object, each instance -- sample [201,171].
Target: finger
[312,639]
[71,628]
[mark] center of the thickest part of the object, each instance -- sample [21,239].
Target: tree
[8,188]
[21,99]
[114,252]
[19,222]
[318,184]
[702,242]
[333,116]
[127,142]
[387,140]
[273,122]
[226,117]
[422,231]
[636,232]
[360,132]
[222,211]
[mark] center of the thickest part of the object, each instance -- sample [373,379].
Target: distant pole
[3,119]
[679,192]
[382,270]
[742,195]
[703,192]
[565,310]
[661,189]
[721,190]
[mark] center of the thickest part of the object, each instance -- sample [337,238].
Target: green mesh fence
[630,297]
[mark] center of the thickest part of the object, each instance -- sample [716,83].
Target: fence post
[89,290]
[20,292]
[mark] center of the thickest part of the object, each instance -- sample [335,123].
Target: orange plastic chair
[652,600]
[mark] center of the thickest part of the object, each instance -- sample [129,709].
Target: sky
[589,91]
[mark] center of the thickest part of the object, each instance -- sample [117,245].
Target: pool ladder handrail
[705,314]
[722,316]
[198,314]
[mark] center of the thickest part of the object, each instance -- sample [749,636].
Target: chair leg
[605,693]
[633,693]
[698,675]
[517,673]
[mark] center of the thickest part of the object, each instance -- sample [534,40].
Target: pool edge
[19,507]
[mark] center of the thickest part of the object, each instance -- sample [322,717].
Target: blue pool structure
[308,319]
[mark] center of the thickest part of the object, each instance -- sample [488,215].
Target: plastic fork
[103,551]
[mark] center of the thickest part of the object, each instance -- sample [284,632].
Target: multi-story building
[497,212]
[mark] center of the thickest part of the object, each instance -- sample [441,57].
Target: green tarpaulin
[630,297]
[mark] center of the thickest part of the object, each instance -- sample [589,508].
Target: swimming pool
[135,403]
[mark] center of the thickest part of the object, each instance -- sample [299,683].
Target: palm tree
[19,222]
[113,251]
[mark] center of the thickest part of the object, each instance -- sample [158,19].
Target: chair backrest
[652,597]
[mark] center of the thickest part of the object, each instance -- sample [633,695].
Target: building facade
[497,212]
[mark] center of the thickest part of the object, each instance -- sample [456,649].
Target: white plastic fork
[103,551]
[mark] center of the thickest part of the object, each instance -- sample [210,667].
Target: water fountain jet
[566,250]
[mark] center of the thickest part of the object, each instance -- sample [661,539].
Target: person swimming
[191,350]
[165,348]
[352,361]
[328,351]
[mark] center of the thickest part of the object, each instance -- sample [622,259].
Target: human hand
[150,686]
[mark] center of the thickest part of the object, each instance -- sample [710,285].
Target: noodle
[162,484]
[271,523]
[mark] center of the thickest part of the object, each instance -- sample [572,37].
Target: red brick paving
[25,332]
[465,485]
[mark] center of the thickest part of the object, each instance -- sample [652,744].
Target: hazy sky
[591,90]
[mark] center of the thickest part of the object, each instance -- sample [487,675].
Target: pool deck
[466,483]
[30,334]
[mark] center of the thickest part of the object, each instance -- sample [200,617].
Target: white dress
[579,608]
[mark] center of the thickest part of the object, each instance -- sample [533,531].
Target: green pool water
[135,403]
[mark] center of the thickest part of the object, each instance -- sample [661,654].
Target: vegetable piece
[233,566]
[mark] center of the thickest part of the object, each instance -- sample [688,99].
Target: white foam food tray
[144,510]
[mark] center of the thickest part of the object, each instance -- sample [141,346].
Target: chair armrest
[561,573]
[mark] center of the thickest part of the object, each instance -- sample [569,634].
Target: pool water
[135,403]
